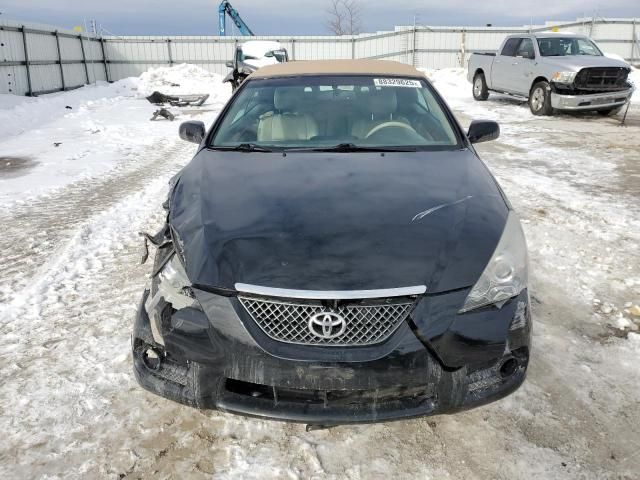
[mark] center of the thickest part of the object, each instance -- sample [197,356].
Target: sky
[300,17]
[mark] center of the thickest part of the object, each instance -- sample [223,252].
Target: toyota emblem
[327,325]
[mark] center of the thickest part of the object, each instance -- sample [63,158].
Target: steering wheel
[377,128]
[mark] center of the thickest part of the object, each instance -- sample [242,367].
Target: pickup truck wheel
[540,99]
[480,90]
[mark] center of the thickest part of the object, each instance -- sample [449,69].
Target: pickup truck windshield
[320,112]
[560,47]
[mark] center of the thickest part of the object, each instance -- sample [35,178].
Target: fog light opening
[508,367]
[151,358]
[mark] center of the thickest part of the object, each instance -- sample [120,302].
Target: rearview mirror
[229,64]
[483,131]
[192,131]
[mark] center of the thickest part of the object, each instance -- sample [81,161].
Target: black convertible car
[336,252]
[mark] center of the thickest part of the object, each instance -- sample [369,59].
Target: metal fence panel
[64,60]
[42,47]
[46,78]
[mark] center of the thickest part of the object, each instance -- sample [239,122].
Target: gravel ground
[71,279]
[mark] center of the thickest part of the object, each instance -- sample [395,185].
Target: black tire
[609,111]
[480,90]
[540,99]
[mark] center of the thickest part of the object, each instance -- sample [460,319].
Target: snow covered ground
[70,282]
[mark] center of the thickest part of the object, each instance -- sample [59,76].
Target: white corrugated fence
[37,59]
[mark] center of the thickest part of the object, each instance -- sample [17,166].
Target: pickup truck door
[501,70]
[522,68]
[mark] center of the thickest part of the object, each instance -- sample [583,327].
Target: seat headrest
[287,98]
[383,101]
[545,47]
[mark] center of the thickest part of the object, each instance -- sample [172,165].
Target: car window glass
[561,46]
[328,110]
[585,47]
[525,49]
[509,49]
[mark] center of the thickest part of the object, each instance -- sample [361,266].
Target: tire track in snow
[34,231]
[65,341]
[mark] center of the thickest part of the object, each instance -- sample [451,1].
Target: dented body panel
[448,364]
[337,221]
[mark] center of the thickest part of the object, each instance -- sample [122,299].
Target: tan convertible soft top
[337,67]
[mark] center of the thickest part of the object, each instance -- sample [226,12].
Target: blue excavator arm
[225,9]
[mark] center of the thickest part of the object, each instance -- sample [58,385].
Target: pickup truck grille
[602,79]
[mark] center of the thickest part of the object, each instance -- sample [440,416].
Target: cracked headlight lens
[174,285]
[564,77]
[506,274]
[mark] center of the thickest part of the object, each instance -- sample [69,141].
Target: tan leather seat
[286,122]
[382,106]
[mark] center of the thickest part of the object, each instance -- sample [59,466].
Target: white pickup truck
[554,71]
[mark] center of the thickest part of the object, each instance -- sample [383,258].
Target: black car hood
[337,221]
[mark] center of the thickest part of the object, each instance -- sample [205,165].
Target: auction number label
[396,82]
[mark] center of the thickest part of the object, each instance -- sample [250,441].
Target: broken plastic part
[164,113]
[172,282]
[195,100]
[158,240]
[520,317]
[506,274]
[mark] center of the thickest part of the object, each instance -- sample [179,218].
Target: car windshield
[560,47]
[348,112]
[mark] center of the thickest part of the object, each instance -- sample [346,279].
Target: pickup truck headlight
[564,77]
[506,274]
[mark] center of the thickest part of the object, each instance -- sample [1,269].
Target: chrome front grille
[367,322]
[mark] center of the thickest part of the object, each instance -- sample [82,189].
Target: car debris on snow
[164,113]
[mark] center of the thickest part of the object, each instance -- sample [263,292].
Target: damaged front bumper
[595,101]
[438,361]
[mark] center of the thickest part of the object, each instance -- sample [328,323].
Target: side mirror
[483,131]
[192,131]
[229,63]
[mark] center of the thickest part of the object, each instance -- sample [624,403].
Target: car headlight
[506,274]
[174,285]
[564,77]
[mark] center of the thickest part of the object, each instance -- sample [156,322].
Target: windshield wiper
[251,147]
[243,147]
[352,147]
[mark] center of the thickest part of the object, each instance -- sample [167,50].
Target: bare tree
[344,17]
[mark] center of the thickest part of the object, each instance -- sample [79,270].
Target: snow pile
[179,79]
[82,134]
[19,114]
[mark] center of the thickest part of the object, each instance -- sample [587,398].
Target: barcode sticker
[396,82]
